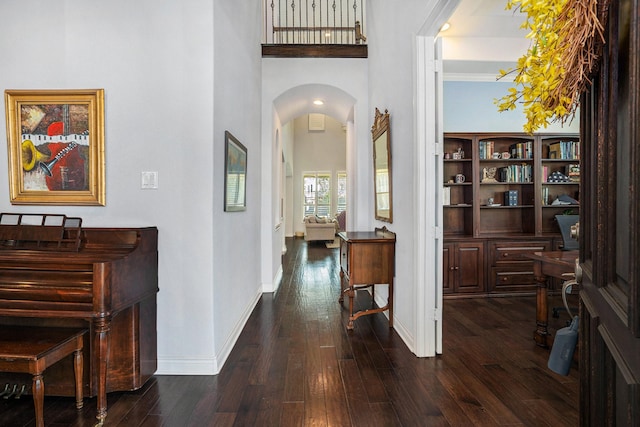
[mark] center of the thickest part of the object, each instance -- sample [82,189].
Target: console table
[367,258]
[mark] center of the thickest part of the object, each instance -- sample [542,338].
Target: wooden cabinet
[502,191]
[463,267]
[367,258]
[510,269]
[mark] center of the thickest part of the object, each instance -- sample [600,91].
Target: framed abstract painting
[56,146]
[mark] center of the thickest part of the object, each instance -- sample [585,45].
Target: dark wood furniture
[108,286]
[486,244]
[609,336]
[33,350]
[463,269]
[558,264]
[367,258]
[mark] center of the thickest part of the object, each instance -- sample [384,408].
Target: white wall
[176,75]
[296,80]
[157,65]
[469,107]
[288,147]
[236,257]
[316,151]
[391,39]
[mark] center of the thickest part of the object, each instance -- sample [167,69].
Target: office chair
[564,223]
[569,243]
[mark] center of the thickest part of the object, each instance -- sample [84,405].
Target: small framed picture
[235,174]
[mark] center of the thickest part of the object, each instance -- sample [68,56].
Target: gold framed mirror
[381,133]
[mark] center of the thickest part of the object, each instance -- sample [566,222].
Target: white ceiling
[485,18]
[483,38]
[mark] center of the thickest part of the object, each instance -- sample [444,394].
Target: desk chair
[564,223]
[569,243]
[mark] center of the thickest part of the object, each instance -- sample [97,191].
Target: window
[317,193]
[341,188]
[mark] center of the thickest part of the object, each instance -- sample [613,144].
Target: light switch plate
[149,180]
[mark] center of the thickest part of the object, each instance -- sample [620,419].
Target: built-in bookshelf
[502,193]
[559,179]
[509,183]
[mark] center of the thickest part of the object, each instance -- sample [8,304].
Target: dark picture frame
[235,174]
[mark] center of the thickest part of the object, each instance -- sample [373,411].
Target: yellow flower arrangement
[563,53]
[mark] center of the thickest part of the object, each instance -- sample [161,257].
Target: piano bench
[31,350]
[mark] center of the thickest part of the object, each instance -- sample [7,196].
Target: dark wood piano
[55,272]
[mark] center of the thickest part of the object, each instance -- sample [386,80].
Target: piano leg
[102,328]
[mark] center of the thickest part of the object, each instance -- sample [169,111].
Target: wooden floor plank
[295,364]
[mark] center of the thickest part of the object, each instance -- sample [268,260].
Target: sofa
[316,228]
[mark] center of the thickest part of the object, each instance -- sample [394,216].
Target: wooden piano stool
[31,350]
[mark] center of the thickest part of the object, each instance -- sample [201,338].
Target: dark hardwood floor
[295,364]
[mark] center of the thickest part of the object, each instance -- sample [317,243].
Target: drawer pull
[506,254]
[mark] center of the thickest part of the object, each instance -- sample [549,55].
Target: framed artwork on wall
[235,174]
[56,146]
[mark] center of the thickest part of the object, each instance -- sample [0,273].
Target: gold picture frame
[56,146]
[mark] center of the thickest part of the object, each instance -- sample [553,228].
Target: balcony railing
[314,28]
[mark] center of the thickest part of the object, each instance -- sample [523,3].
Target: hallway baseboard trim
[400,329]
[187,366]
[235,334]
[273,286]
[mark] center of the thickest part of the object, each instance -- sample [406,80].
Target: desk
[559,264]
[367,258]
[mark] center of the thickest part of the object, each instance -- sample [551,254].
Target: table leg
[542,312]
[37,389]
[77,367]
[351,294]
[390,302]
[102,332]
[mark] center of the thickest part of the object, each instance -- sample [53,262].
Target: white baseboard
[187,367]
[210,366]
[273,286]
[222,356]
[398,326]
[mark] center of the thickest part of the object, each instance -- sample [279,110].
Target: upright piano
[54,272]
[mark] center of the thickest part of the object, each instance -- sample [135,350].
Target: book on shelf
[573,172]
[565,150]
[521,150]
[446,196]
[486,149]
[515,173]
[545,196]
[511,198]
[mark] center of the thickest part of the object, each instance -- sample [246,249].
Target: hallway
[296,365]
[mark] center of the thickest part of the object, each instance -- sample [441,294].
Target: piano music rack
[40,232]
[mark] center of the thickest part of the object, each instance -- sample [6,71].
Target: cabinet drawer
[502,252]
[509,279]
[344,256]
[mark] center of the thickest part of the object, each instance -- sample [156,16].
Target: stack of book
[564,150]
[573,172]
[515,173]
[486,149]
[521,150]
[511,198]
